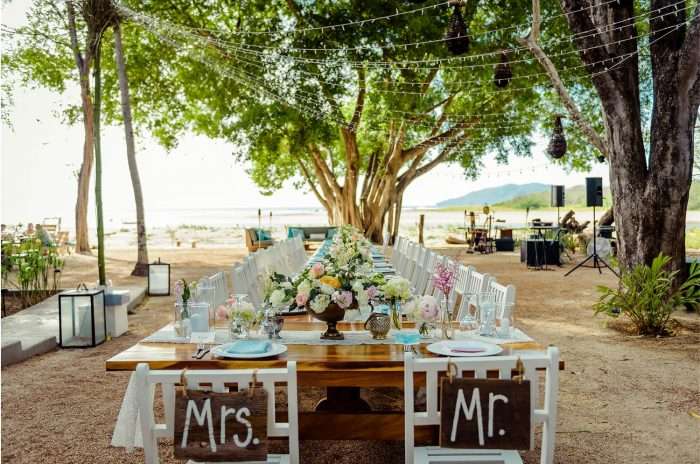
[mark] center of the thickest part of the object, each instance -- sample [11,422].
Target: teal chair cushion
[330,233]
[262,235]
[295,232]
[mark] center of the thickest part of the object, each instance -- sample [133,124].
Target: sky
[40,155]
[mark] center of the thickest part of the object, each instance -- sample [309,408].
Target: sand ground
[623,399]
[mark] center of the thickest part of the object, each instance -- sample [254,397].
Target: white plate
[275,349]
[445,347]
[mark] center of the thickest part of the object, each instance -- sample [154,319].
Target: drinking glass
[487,307]
[469,317]
[505,321]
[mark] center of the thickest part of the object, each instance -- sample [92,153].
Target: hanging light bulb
[557,143]
[456,37]
[503,74]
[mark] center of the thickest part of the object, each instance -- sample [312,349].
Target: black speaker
[594,191]
[556,197]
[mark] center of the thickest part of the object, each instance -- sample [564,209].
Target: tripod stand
[598,262]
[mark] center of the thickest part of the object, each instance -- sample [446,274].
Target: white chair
[545,413]
[460,285]
[220,381]
[218,282]
[504,295]
[425,279]
[476,282]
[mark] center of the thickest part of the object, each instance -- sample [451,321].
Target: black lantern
[158,279]
[503,74]
[557,144]
[81,317]
[457,37]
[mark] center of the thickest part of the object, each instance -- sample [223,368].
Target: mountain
[494,195]
[575,197]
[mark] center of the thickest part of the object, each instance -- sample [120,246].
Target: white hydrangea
[320,303]
[277,297]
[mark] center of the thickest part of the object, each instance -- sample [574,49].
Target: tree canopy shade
[353,112]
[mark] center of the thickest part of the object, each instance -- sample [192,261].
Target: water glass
[505,321]
[487,307]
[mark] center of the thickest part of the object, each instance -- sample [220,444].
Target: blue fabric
[407,337]
[249,347]
[295,232]
[262,235]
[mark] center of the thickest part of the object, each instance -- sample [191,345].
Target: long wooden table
[342,369]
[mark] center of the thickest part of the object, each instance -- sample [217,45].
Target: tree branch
[310,181]
[531,42]
[360,103]
[430,142]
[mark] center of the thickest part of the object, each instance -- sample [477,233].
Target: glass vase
[240,329]
[446,328]
[181,322]
[487,305]
[395,310]
[426,330]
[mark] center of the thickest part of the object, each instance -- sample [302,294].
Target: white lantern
[158,279]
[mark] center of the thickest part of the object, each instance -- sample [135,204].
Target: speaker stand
[598,262]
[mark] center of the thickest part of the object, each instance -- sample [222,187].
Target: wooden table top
[310,358]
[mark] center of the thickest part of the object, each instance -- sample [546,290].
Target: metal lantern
[81,317]
[158,279]
[457,38]
[557,144]
[503,74]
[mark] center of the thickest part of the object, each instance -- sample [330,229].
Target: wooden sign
[487,414]
[221,426]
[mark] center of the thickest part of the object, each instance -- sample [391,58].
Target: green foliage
[31,267]
[648,297]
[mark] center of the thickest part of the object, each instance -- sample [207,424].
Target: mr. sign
[221,426]
[481,413]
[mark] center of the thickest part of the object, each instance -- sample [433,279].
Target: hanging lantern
[601,159]
[503,73]
[456,38]
[557,144]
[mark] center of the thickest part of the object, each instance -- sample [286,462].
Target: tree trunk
[97,72]
[82,63]
[650,193]
[141,267]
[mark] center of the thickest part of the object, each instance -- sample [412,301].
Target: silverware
[204,352]
[200,347]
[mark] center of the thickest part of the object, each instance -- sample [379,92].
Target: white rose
[304,287]
[277,297]
[327,289]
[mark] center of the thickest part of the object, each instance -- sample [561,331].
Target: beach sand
[622,399]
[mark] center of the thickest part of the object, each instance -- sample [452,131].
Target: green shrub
[647,295]
[32,268]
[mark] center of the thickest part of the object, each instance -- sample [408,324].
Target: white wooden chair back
[425,279]
[430,287]
[504,295]
[542,412]
[220,381]
[398,253]
[409,260]
[476,282]
[239,281]
[460,287]
[418,265]
[218,282]
[255,280]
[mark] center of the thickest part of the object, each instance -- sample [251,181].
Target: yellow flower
[330,281]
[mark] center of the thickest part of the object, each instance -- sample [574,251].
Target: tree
[141,267]
[48,52]
[650,175]
[362,116]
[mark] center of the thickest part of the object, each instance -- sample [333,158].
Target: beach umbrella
[457,38]
[557,143]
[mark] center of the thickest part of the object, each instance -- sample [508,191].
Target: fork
[200,347]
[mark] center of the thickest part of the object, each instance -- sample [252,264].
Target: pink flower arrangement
[444,278]
[301,299]
[372,292]
[428,308]
[343,298]
[221,313]
[317,270]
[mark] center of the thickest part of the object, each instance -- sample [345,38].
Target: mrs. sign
[221,426]
[483,413]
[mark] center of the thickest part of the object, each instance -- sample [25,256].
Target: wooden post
[421,223]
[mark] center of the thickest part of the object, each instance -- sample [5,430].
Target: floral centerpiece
[396,290]
[443,280]
[426,312]
[343,280]
[183,294]
[244,317]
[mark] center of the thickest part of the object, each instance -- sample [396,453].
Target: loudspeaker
[594,191]
[537,253]
[556,197]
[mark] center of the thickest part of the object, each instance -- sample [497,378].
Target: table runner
[352,337]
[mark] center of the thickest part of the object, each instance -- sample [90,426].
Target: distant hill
[495,195]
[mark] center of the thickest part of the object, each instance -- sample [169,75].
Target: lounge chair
[254,241]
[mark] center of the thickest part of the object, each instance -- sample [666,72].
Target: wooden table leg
[343,399]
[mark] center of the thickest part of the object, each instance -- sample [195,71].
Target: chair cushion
[262,235]
[330,233]
[295,232]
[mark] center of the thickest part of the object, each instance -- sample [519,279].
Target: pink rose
[317,270]
[428,308]
[343,298]
[221,312]
[372,292]
[301,299]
